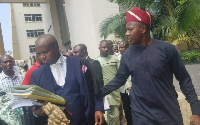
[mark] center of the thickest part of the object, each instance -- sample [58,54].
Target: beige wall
[55,23]
[20,41]
[2,51]
[84,18]
[14,39]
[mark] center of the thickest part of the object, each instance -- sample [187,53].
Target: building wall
[48,25]
[2,51]
[55,23]
[20,41]
[84,18]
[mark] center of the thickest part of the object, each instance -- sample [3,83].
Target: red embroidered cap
[136,14]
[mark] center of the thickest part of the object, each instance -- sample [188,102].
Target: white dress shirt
[59,70]
[6,82]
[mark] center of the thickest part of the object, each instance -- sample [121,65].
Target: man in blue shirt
[152,64]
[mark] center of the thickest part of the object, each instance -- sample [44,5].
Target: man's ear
[84,52]
[57,47]
[143,28]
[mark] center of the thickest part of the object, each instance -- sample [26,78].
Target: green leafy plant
[191,56]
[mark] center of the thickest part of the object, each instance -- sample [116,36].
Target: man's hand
[129,89]
[195,120]
[38,112]
[99,118]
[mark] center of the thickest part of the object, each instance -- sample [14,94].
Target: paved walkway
[185,108]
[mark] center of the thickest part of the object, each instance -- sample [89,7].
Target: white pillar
[84,18]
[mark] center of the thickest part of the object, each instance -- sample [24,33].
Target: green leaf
[114,24]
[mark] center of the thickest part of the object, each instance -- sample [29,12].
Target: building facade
[70,21]
[84,18]
[27,24]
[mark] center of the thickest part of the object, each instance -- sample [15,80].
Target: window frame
[32,49]
[33,17]
[31,4]
[34,33]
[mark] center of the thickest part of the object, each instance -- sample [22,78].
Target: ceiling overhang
[23,1]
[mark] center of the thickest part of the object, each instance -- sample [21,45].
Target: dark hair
[102,41]
[146,26]
[53,41]
[125,42]
[43,38]
[3,56]
[83,47]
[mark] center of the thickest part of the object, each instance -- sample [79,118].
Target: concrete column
[84,18]
[64,30]
[2,51]
[55,22]
[14,39]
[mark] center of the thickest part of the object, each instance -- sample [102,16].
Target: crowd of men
[141,76]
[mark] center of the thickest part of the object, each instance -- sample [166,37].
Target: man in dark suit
[94,75]
[80,50]
[63,76]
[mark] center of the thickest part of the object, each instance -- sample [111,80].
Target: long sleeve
[185,81]
[93,81]
[119,80]
[98,73]
[99,80]
[128,83]
[33,79]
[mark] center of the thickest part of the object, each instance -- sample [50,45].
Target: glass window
[31,4]
[33,17]
[34,33]
[32,48]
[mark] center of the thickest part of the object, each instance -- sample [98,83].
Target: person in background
[109,64]
[96,77]
[17,63]
[152,64]
[115,48]
[125,89]
[25,66]
[8,77]
[27,78]
[63,75]
[80,50]
[68,53]
[110,51]
[16,68]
